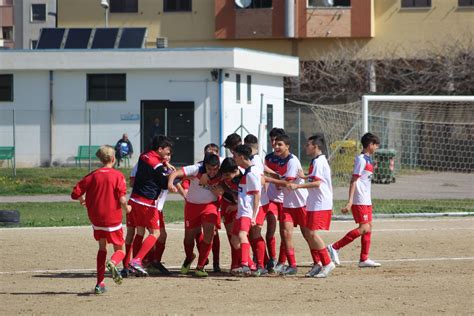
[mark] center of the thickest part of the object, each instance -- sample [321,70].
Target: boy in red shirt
[103,193]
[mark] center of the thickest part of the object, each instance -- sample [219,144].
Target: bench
[7,153]
[83,154]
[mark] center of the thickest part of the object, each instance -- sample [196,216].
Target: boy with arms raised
[318,206]
[103,193]
[360,203]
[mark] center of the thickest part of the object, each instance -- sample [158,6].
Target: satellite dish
[243,3]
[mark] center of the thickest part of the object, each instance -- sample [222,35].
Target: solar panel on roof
[78,38]
[132,37]
[105,38]
[50,38]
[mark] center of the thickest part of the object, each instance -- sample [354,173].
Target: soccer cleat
[161,268]
[216,268]
[137,266]
[334,255]
[280,267]
[289,271]
[271,264]
[100,289]
[187,265]
[245,271]
[236,271]
[116,276]
[369,264]
[315,270]
[125,273]
[259,272]
[326,270]
[200,273]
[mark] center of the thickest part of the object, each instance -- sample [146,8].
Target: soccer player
[360,203]
[131,230]
[294,201]
[250,186]
[151,174]
[256,240]
[318,206]
[103,193]
[275,208]
[200,209]
[232,141]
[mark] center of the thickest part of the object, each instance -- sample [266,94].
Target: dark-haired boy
[200,209]
[360,203]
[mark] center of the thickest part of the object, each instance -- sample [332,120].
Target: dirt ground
[427,267]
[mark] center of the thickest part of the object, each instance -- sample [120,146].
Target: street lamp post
[105,4]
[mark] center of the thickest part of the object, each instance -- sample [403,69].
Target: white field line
[302,264]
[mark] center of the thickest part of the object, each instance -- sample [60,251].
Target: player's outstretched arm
[123,203]
[352,185]
[172,177]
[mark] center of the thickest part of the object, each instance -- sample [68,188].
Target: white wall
[31,105]
[71,116]
[272,89]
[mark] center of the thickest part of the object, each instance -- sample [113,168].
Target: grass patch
[52,214]
[43,180]
[72,214]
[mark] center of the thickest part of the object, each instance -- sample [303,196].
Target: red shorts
[129,220]
[162,220]
[115,237]
[197,214]
[362,213]
[227,217]
[262,213]
[297,216]
[318,220]
[276,209]
[243,223]
[144,215]
[218,224]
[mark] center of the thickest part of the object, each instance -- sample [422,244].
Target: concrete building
[62,99]
[304,28]
[6,24]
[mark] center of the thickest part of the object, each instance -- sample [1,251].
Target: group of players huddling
[243,190]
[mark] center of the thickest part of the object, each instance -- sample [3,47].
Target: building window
[38,12]
[249,89]
[237,88]
[33,44]
[123,6]
[177,6]
[106,87]
[7,33]
[466,3]
[416,3]
[6,88]
[328,3]
[256,4]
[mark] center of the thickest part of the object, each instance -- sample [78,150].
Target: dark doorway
[175,120]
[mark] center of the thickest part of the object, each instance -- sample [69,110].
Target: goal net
[426,158]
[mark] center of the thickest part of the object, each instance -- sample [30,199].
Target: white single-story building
[52,101]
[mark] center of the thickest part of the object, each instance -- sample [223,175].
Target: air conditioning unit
[161,42]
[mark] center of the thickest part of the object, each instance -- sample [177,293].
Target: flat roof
[149,59]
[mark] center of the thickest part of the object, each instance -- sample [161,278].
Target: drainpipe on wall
[51,118]
[290,18]
[221,114]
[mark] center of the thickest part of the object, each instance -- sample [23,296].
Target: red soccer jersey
[103,188]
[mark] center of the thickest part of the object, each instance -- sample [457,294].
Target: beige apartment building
[304,28]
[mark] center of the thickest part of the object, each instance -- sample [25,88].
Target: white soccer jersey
[160,201]
[133,173]
[249,184]
[258,163]
[289,170]
[320,199]
[275,194]
[197,193]
[363,168]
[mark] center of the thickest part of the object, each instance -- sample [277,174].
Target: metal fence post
[299,131]
[90,140]
[14,144]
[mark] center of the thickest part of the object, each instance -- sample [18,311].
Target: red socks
[126,259]
[204,250]
[271,245]
[188,249]
[216,248]
[245,254]
[101,257]
[315,256]
[282,256]
[258,248]
[290,253]
[148,243]
[159,249]
[117,257]
[347,239]
[234,254]
[365,243]
[137,244]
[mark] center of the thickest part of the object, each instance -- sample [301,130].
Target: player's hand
[292,186]
[301,174]
[347,208]
[253,222]
[172,188]
[82,200]
[128,209]
[170,166]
